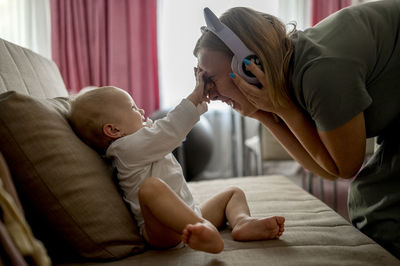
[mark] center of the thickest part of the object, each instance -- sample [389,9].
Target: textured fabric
[148,153]
[67,190]
[9,254]
[28,73]
[349,63]
[8,184]
[108,42]
[374,202]
[314,233]
[20,232]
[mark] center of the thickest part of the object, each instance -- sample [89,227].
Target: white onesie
[148,153]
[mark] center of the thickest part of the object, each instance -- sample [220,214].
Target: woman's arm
[286,138]
[336,153]
[340,151]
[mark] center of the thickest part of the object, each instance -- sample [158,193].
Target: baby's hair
[89,112]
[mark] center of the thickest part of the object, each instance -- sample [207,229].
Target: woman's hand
[259,97]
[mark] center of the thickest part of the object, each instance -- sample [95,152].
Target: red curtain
[323,8]
[108,42]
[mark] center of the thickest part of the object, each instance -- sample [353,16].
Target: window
[26,23]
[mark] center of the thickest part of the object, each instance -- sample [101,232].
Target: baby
[151,179]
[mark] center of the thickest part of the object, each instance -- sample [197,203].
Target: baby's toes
[185,236]
[280,220]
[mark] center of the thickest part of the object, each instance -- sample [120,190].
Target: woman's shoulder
[358,31]
[314,63]
[325,56]
[330,89]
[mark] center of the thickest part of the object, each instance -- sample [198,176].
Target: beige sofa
[74,208]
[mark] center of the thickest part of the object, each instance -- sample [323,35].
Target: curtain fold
[26,23]
[108,42]
[323,8]
[298,11]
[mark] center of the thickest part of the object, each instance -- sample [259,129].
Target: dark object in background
[196,150]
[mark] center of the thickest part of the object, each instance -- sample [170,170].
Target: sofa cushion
[67,189]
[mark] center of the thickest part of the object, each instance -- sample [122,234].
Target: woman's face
[217,66]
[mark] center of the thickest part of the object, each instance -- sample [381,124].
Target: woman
[332,86]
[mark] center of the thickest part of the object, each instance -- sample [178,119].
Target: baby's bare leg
[166,216]
[231,205]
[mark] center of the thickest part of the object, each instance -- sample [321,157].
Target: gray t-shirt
[350,63]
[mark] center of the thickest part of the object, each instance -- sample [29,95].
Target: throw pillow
[67,190]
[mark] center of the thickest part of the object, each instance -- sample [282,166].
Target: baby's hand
[200,92]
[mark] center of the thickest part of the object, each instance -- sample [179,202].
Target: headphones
[239,49]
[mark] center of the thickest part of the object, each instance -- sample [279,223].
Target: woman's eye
[210,80]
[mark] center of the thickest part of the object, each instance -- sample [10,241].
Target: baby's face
[131,117]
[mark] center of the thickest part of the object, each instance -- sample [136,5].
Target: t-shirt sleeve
[334,92]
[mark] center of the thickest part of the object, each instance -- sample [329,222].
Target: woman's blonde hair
[267,37]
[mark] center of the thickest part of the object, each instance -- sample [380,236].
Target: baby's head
[102,115]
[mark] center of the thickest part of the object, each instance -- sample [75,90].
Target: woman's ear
[112,131]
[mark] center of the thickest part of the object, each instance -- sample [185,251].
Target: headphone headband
[234,43]
[226,35]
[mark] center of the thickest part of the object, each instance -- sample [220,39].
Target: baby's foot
[251,228]
[203,236]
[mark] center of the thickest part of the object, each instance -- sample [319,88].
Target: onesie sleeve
[153,143]
[334,93]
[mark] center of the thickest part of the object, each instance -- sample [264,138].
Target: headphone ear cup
[256,61]
[240,68]
[247,72]
[236,66]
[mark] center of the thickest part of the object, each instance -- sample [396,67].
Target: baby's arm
[153,143]
[200,92]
